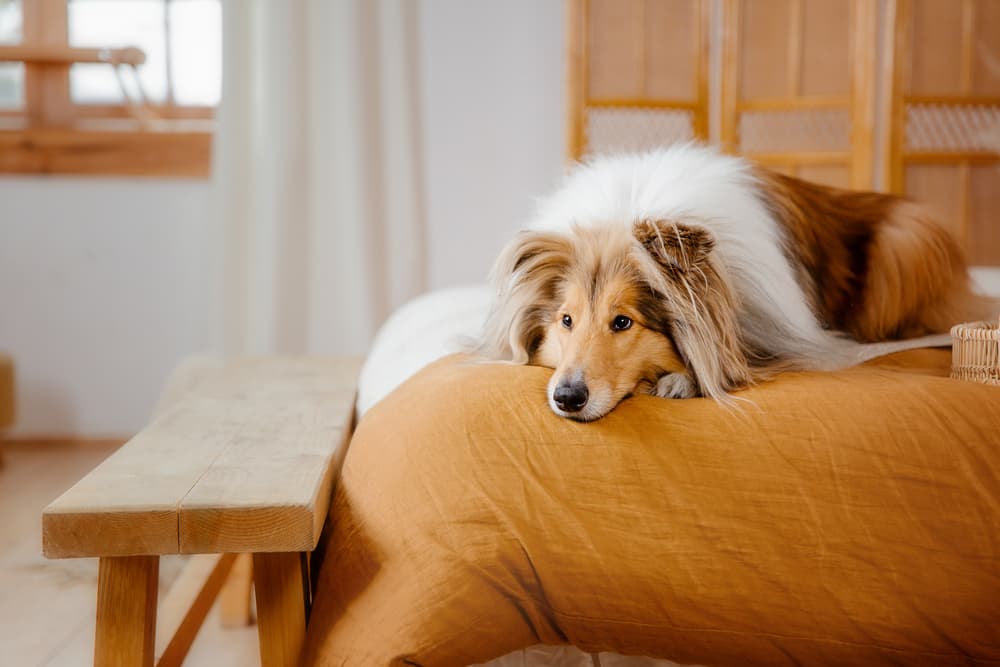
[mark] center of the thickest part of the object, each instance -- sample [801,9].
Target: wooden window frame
[51,134]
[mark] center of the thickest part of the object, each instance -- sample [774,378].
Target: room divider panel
[900,95]
[944,116]
[638,73]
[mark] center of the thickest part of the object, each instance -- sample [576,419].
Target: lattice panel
[636,129]
[800,130]
[941,127]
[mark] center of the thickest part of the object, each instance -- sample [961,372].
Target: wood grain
[281,583]
[269,487]
[46,87]
[122,150]
[862,80]
[244,462]
[576,78]
[730,96]
[126,611]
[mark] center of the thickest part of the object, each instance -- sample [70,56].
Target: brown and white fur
[683,272]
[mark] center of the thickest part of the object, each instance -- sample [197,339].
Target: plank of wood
[6,391]
[128,504]
[576,78]
[174,149]
[269,489]
[863,85]
[65,55]
[126,611]
[243,463]
[186,605]
[282,584]
[234,602]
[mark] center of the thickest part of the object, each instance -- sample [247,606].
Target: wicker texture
[795,130]
[942,127]
[636,129]
[976,352]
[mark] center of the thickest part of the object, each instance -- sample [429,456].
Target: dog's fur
[728,273]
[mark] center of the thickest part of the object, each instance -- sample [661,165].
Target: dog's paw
[676,385]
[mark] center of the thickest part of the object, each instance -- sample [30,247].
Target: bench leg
[281,582]
[234,603]
[126,611]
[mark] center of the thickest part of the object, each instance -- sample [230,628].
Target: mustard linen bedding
[832,519]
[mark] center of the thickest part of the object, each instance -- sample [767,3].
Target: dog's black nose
[571,397]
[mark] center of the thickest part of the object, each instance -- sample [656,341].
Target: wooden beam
[92,152]
[65,55]
[126,611]
[234,601]
[642,102]
[899,17]
[46,87]
[794,103]
[951,157]
[803,158]
[7,392]
[954,100]
[863,81]
[576,78]
[281,581]
[730,94]
[703,30]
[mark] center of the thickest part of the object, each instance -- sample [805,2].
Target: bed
[837,518]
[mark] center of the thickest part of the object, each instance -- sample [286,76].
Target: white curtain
[318,193]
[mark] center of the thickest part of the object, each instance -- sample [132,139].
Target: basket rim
[976,330]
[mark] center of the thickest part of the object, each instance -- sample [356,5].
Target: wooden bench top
[243,462]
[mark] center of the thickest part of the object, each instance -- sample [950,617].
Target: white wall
[101,292]
[492,112]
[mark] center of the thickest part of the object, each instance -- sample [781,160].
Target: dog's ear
[526,276]
[698,303]
[674,246]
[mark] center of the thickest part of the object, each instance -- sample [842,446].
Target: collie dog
[683,272]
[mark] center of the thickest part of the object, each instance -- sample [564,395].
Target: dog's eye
[621,323]
[567,321]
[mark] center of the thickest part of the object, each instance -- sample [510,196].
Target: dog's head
[613,309]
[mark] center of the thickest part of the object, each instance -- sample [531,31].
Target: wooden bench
[243,461]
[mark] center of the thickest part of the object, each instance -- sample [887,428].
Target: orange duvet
[847,518]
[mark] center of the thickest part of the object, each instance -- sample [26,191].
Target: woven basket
[976,352]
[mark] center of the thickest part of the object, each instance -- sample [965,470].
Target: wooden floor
[47,607]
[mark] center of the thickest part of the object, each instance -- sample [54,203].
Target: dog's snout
[571,396]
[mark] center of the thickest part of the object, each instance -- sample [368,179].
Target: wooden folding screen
[944,119]
[798,86]
[638,73]
[795,88]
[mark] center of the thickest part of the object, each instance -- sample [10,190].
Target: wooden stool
[6,395]
[243,463]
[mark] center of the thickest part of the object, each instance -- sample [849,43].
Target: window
[109,86]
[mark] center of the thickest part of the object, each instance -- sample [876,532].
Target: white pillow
[423,330]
